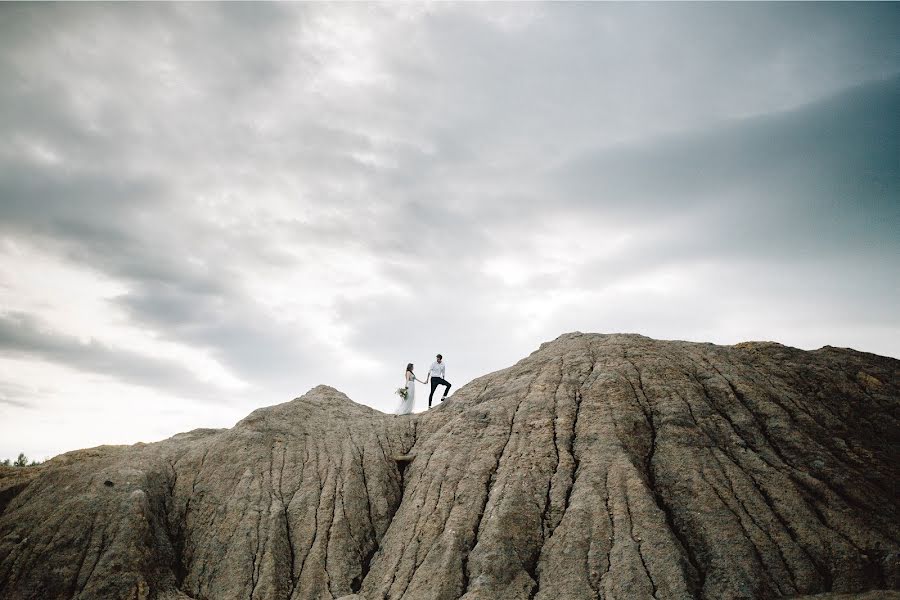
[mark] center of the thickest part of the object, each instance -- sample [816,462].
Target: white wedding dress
[406,406]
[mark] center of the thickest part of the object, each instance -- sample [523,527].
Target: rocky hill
[601,466]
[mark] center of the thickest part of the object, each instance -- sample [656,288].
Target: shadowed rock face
[601,466]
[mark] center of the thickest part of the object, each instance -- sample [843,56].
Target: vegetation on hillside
[21,461]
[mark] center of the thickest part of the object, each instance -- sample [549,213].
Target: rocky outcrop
[601,466]
[13,480]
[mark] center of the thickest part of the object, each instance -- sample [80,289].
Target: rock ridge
[599,466]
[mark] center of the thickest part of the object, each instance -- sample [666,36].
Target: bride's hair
[409,367]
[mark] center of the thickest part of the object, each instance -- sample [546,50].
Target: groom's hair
[439,356]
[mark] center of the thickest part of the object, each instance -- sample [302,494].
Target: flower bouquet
[402,392]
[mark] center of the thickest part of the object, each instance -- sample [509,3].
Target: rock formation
[601,466]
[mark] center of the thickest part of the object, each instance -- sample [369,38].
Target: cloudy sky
[206,208]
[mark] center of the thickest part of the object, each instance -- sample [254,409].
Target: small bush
[21,461]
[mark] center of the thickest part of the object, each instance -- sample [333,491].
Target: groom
[436,375]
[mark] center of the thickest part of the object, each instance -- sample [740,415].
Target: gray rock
[611,466]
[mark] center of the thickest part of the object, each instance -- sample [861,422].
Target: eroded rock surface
[601,466]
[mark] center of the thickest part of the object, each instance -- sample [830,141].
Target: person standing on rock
[406,403]
[436,376]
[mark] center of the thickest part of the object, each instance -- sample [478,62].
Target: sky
[210,208]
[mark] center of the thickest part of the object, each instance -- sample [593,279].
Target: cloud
[827,166]
[19,396]
[276,196]
[21,335]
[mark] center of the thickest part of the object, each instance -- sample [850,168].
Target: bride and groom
[435,375]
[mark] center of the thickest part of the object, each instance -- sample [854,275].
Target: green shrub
[21,461]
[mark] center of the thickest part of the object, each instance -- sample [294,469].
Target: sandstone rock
[601,466]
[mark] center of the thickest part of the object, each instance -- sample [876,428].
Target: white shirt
[437,369]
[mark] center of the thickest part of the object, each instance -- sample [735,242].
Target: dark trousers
[436,381]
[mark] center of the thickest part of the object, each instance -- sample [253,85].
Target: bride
[406,404]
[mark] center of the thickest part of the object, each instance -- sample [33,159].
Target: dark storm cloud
[86,207]
[582,74]
[245,341]
[23,336]
[828,166]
